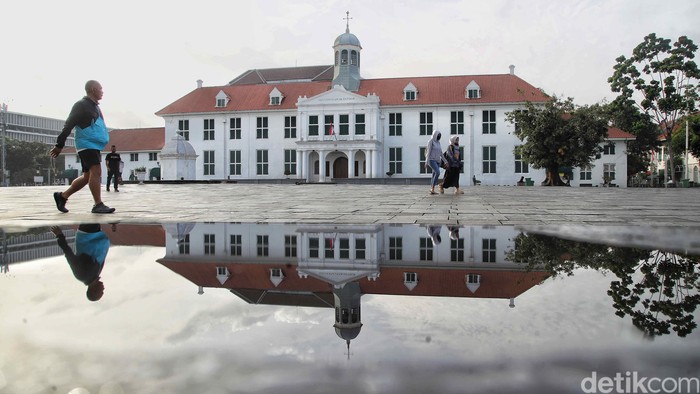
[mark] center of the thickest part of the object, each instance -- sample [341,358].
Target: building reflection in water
[332,266]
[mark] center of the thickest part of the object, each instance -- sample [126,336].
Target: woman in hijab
[433,158]
[454,166]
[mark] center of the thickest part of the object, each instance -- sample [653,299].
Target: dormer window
[276,276]
[276,97]
[473,281]
[222,99]
[410,279]
[410,92]
[473,91]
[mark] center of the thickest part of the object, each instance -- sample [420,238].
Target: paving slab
[361,204]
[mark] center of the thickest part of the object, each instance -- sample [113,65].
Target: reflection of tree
[658,290]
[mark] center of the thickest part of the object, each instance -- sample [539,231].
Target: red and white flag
[330,130]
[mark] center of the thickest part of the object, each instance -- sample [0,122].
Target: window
[263,245]
[344,56]
[409,95]
[208,129]
[275,100]
[261,162]
[183,128]
[290,162]
[473,279]
[222,271]
[489,122]
[209,162]
[234,131]
[521,166]
[609,171]
[132,157]
[360,248]
[313,247]
[328,251]
[489,160]
[395,248]
[457,122]
[457,249]
[344,124]
[152,156]
[313,124]
[410,277]
[473,91]
[234,166]
[353,58]
[585,174]
[261,127]
[394,124]
[359,124]
[395,161]
[327,124]
[221,102]
[426,123]
[344,248]
[488,250]
[210,244]
[290,246]
[236,245]
[184,245]
[609,149]
[290,127]
[425,249]
[421,163]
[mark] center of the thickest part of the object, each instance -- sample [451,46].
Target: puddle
[241,307]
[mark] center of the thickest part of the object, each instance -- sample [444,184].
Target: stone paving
[357,204]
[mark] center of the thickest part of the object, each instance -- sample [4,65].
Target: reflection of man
[91,246]
[113,162]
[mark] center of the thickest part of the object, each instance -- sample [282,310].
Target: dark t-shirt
[113,160]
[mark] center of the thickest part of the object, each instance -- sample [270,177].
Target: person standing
[91,136]
[434,158]
[454,166]
[113,162]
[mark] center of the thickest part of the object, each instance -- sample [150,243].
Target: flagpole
[686,149]
[3,112]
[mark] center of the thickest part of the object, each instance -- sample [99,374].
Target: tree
[625,115]
[559,134]
[693,136]
[665,78]
[27,159]
[659,290]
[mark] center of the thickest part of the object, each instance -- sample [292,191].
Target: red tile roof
[501,88]
[131,140]
[616,134]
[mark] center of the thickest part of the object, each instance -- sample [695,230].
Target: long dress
[454,165]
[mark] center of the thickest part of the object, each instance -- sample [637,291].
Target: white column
[370,163]
[321,165]
[351,163]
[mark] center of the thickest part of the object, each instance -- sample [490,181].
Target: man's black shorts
[89,158]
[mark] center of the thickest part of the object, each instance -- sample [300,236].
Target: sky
[147,54]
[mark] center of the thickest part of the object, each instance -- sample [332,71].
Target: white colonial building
[326,123]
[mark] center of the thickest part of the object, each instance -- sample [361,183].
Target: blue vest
[94,136]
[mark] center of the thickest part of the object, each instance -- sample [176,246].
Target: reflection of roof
[269,297]
[439,282]
[135,234]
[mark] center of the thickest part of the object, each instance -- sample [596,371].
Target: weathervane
[347,21]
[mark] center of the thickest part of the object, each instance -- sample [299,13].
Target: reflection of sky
[150,313]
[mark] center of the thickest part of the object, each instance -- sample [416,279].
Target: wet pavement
[268,288]
[362,204]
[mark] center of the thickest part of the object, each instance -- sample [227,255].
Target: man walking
[113,161]
[91,136]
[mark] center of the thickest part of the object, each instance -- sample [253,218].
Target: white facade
[269,141]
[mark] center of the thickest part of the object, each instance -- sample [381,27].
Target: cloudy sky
[147,54]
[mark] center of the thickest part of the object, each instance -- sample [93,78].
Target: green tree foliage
[26,160]
[658,290]
[625,115]
[693,136]
[662,79]
[559,134]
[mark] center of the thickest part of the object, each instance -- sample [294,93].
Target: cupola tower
[346,68]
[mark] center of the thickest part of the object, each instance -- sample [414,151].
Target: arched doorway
[340,167]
